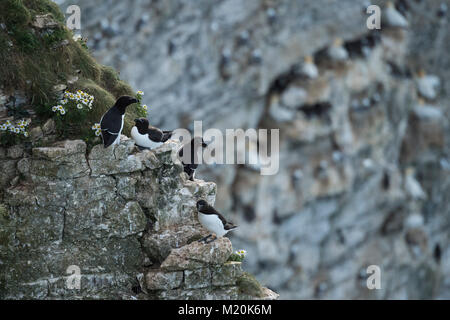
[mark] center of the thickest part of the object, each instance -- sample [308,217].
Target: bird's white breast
[117,141]
[143,140]
[212,223]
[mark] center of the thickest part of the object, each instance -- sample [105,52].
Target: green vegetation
[44,7]
[9,139]
[3,211]
[247,284]
[35,60]
[236,257]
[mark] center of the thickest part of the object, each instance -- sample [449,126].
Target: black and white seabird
[392,18]
[191,147]
[213,221]
[147,136]
[112,121]
[337,52]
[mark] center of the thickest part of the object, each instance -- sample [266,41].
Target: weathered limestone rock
[157,280]
[64,161]
[226,293]
[203,274]
[197,278]
[158,245]
[15,152]
[49,127]
[44,22]
[114,160]
[226,274]
[197,255]
[125,211]
[36,133]
[8,169]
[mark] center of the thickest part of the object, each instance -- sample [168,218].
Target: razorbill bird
[146,136]
[191,147]
[213,221]
[112,121]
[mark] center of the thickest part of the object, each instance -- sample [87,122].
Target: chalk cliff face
[126,219]
[364,151]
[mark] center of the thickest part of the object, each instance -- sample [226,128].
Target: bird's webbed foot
[213,238]
[204,239]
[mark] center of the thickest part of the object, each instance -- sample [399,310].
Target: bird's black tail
[167,135]
[230,226]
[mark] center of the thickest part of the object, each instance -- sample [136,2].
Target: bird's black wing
[155,134]
[110,126]
[210,210]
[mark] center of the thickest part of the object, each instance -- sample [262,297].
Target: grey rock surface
[112,225]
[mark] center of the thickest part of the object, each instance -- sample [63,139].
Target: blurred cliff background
[364,173]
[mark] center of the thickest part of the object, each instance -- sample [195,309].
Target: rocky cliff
[126,219]
[79,221]
[364,170]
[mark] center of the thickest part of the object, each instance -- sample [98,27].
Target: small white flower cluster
[96,127]
[139,95]
[241,253]
[19,128]
[81,98]
[59,108]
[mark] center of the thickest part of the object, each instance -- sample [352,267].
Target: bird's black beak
[134,101]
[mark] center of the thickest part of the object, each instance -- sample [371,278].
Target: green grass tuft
[236,257]
[44,7]
[34,61]
[14,13]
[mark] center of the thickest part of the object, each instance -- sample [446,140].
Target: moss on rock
[249,285]
[3,211]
